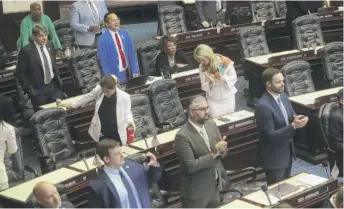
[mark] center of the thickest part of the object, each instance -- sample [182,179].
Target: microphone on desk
[144,137]
[83,157]
[325,165]
[265,190]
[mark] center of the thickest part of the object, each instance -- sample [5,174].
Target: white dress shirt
[47,54]
[121,69]
[7,142]
[204,136]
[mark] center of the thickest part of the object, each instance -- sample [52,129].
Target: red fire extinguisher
[130,133]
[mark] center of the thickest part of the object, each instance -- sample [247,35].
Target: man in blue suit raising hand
[116,52]
[276,122]
[122,183]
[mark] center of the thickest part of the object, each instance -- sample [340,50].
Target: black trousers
[276,175]
[47,93]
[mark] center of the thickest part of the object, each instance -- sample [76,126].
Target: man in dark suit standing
[198,145]
[36,69]
[47,196]
[211,12]
[276,121]
[122,183]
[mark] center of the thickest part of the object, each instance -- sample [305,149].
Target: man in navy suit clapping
[122,183]
[276,122]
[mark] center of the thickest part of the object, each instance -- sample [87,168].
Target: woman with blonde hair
[218,77]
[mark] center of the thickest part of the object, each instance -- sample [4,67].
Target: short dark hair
[104,146]
[340,94]
[269,73]
[163,42]
[108,82]
[39,28]
[106,16]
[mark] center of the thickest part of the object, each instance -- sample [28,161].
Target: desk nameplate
[291,57]
[194,35]
[330,16]
[6,75]
[275,22]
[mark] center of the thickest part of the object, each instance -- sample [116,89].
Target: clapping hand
[221,145]
[153,160]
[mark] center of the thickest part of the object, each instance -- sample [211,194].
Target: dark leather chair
[3,55]
[298,78]
[14,164]
[332,59]
[171,20]
[64,32]
[263,10]
[52,140]
[166,105]
[307,32]
[85,70]
[252,41]
[24,102]
[281,8]
[146,56]
[324,118]
[142,113]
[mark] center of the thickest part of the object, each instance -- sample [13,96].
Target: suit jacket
[30,70]
[163,65]
[81,17]
[109,58]
[123,111]
[197,163]
[206,11]
[104,195]
[275,137]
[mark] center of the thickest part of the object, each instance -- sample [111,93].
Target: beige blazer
[123,111]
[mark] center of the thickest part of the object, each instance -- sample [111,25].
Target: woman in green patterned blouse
[34,18]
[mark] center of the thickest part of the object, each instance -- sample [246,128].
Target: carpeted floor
[144,32]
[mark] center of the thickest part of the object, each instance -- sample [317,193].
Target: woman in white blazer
[123,108]
[218,76]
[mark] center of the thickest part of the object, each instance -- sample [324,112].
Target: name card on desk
[275,22]
[330,15]
[8,73]
[291,57]
[186,77]
[235,120]
[196,34]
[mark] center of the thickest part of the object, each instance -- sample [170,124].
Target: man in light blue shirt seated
[122,183]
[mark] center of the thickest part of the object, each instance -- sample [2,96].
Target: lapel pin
[127,166]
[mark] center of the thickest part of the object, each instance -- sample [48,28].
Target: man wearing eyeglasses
[198,145]
[115,50]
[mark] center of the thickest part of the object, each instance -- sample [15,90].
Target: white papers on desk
[312,180]
[152,80]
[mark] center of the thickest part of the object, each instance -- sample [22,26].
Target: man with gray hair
[198,145]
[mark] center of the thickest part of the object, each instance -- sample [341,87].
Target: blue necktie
[131,197]
[284,112]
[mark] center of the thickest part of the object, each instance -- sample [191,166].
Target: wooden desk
[308,141]
[239,204]
[254,67]
[306,195]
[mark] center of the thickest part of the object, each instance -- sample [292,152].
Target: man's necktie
[121,52]
[46,67]
[284,112]
[94,12]
[130,192]
[205,138]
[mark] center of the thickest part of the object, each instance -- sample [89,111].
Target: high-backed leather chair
[324,118]
[307,32]
[84,67]
[146,56]
[298,78]
[281,8]
[252,41]
[171,20]
[332,59]
[64,32]
[24,102]
[263,10]
[142,113]
[166,105]
[14,164]
[51,139]
[3,55]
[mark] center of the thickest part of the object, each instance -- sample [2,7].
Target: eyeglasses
[203,109]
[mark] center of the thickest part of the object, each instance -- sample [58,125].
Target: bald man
[47,196]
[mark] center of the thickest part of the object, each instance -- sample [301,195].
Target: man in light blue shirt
[122,183]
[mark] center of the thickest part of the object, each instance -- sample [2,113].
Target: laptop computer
[137,81]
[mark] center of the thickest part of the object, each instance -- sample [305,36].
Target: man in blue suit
[86,17]
[122,183]
[115,50]
[276,122]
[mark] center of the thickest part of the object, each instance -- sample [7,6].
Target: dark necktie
[131,197]
[46,67]
[121,52]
